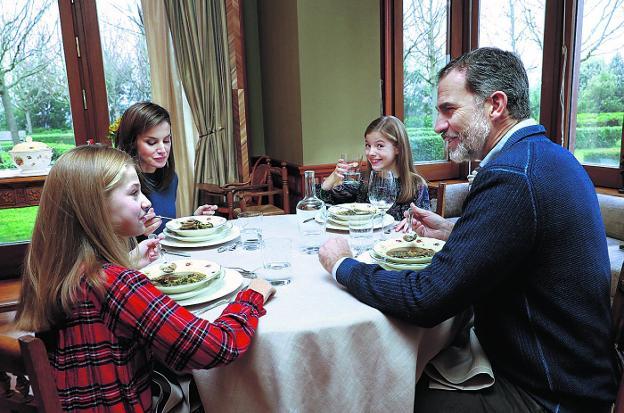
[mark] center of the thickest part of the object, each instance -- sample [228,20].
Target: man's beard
[471,139]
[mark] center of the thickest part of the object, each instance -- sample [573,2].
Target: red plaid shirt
[102,355]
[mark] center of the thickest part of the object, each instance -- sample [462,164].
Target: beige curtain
[167,91]
[199,32]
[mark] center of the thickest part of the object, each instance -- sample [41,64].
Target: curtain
[167,91]
[199,33]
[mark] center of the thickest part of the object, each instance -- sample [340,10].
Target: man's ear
[499,105]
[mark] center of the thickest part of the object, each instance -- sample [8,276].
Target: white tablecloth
[318,349]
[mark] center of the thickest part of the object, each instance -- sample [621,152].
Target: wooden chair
[436,197]
[253,199]
[27,359]
[230,194]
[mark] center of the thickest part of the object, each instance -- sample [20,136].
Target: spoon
[411,234]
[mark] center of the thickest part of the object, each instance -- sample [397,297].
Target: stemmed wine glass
[382,193]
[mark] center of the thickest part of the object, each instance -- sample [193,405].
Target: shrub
[426,144]
[602,156]
[599,119]
[598,137]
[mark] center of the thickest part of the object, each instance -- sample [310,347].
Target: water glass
[361,235]
[382,193]
[276,259]
[353,173]
[250,223]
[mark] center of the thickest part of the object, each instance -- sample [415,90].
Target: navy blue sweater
[529,253]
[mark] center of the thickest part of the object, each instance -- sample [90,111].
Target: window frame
[560,71]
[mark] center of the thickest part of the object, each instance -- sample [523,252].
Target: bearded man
[529,254]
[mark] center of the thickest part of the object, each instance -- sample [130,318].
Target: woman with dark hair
[145,134]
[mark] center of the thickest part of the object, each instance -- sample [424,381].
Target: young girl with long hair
[387,148]
[104,322]
[144,133]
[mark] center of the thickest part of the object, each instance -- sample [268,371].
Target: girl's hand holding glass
[337,176]
[206,210]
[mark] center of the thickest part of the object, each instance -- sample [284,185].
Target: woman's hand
[336,176]
[206,210]
[146,252]
[151,222]
[263,287]
[430,224]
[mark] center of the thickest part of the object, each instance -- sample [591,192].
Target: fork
[251,274]
[222,301]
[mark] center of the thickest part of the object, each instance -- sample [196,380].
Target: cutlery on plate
[230,298]
[181,254]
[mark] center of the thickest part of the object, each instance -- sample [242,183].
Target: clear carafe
[311,217]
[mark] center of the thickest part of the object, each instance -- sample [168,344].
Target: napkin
[461,366]
[171,391]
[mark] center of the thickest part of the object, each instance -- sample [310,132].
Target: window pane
[424,54]
[517,27]
[35,101]
[600,105]
[124,50]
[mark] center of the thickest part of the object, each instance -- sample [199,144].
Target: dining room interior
[259,93]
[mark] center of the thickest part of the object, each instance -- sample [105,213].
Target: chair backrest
[436,197]
[26,358]
[251,199]
[617,314]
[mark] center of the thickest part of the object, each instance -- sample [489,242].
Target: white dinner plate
[382,248]
[210,268]
[222,231]
[230,281]
[387,220]
[369,258]
[336,212]
[231,235]
[216,221]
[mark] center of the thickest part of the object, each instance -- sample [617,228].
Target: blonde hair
[393,129]
[73,235]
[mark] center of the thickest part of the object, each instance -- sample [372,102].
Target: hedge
[426,144]
[599,119]
[598,137]
[601,156]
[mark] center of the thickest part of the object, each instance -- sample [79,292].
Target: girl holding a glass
[389,159]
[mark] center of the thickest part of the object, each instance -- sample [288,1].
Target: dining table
[317,349]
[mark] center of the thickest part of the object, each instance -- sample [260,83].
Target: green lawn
[16,224]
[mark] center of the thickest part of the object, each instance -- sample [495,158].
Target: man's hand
[333,250]
[430,224]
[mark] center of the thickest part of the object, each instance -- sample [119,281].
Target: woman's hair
[138,119]
[73,235]
[393,129]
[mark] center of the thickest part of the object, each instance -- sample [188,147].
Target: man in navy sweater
[528,253]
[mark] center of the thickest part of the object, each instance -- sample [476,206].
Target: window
[600,94]
[575,67]
[520,30]
[126,69]
[424,54]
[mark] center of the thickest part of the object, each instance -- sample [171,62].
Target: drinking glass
[353,173]
[382,193]
[276,259]
[361,235]
[250,223]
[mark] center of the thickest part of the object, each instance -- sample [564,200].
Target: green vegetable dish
[179,278]
[195,224]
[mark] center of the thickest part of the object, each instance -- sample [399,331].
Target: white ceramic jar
[31,156]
